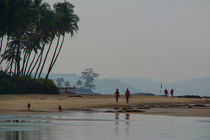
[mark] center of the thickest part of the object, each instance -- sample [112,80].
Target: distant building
[66,90]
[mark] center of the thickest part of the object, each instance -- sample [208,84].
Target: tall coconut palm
[66,22]
[20,16]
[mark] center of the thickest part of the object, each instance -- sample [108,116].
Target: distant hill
[109,86]
[198,86]
[143,85]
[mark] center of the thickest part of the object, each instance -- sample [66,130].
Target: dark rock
[199,105]
[189,96]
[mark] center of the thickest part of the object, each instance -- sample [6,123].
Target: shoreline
[148,105]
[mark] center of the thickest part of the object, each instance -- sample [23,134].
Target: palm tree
[20,16]
[31,28]
[46,27]
[66,22]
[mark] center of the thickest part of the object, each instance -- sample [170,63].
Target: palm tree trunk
[23,63]
[58,51]
[11,67]
[5,49]
[55,58]
[2,38]
[15,68]
[32,61]
[45,58]
[40,60]
[18,60]
[52,60]
[35,63]
[49,69]
[27,61]
[7,67]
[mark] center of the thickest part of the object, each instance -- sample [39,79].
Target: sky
[163,40]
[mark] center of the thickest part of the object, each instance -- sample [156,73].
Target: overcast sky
[163,40]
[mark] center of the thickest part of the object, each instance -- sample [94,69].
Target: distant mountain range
[198,86]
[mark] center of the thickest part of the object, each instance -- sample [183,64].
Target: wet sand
[154,105]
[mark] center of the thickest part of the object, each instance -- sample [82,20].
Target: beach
[154,105]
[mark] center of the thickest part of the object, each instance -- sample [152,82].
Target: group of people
[171,92]
[127,95]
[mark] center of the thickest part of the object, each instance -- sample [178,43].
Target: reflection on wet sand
[103,126]
[127,118]
[13,135]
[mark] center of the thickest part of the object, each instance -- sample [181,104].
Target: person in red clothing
[117,95]
[166,92]
[127,95]
[172,92]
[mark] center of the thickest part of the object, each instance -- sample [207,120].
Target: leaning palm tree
[21,14]
[66,22]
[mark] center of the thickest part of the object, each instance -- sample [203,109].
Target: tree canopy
[29,31]
[89,76]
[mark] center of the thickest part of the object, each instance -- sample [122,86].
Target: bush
[25,84]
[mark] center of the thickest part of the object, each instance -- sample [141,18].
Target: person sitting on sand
[117,95]
[127,95]
[172,92]
[166,92]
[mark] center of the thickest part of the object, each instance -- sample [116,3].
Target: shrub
[25,84]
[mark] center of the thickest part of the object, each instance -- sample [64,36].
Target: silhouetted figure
[116,115]
[166,92]
[59,108]
[117,95]
[29,106]
[127,116]
[172,92]
[127,95]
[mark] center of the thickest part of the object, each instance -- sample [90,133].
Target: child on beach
[127,95]
[117,95]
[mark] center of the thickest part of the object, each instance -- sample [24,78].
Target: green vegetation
[29,31]
[25,84]
[86,84]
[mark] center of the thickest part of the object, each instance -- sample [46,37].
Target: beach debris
[59,108]
[29,106]
[189,106]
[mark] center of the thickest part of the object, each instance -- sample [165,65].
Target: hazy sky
[164,40]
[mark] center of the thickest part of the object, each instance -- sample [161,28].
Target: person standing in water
[127,95]
[117,95]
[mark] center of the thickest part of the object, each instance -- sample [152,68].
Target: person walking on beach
[172,92]
[117,95]
[127,95]
[166,92]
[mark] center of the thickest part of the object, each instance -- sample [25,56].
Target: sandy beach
[154,105]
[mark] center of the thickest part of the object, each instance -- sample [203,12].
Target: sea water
[86,125]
